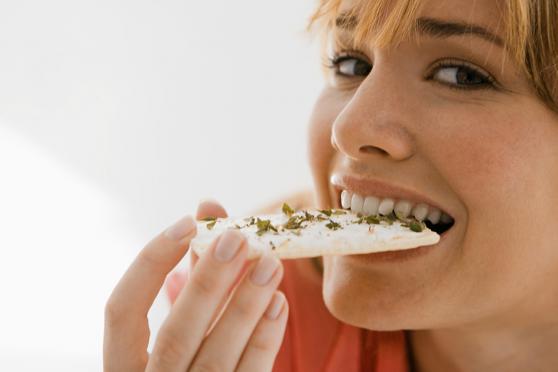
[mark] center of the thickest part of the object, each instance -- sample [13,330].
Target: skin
[489,156]
[196,335]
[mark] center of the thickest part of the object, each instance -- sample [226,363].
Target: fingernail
[181,228]
[274,308]
[264,270]
[227,246]
[208,200]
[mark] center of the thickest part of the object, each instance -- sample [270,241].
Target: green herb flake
[359,221]
[416,226]
[337,212]
[264,226]
[327,212]
[308,216]
[211,224]
[287,209]
[251,221]
[386,219]
[293,223]
[210,218]
[372,220]
[332,225]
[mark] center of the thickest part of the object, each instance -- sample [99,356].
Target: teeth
[356,203]
[345,199]
[420,211]
[402,208]
[372,205]
[434,215]
[386,206]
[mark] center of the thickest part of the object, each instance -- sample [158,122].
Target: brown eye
[349,66]
[460,76]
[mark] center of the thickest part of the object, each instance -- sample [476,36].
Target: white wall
[116,117]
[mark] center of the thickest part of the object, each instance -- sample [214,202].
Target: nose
[374,122]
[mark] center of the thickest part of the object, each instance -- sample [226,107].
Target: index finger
[175,282]
[206,208]
[127,307]
[137,289]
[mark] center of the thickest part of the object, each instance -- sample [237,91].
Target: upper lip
[380,189]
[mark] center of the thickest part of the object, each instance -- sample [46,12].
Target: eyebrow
[432,27]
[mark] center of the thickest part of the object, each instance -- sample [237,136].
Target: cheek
[503,166]
[489,159]
[321,153]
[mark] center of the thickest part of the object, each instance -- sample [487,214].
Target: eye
[349,66]
[460,75]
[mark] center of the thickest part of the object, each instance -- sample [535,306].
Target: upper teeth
[403,208]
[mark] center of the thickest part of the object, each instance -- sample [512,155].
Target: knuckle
[113,312]
[244,308]
[150,258]
[262,345]
[170,349]
[204,284]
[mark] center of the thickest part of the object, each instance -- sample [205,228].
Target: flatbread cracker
[311,233]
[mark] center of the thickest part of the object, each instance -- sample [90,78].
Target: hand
[206,330]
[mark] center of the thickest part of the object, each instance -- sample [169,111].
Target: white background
[116,118]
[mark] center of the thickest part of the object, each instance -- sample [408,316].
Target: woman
[451,104]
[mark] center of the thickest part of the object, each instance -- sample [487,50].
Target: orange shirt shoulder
[315,341]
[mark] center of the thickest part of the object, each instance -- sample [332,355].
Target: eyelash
[488,81]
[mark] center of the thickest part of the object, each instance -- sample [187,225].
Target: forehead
[488,14]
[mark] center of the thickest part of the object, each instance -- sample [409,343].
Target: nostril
[372,149]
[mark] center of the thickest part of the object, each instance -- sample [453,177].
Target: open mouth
[440,227]
[434,218]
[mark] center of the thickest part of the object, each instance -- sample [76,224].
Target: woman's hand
[205,330]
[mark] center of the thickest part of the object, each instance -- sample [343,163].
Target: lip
[380,189]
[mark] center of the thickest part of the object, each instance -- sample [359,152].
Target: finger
[265,342]
[206,208]
[192,260]
[210,208]
[220,351]
[126,328]
[174,283]
[189,319]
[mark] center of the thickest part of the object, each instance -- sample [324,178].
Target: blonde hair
[531,36]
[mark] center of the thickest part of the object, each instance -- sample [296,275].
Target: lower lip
[401,255]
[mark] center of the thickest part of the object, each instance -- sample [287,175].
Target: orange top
[315,341]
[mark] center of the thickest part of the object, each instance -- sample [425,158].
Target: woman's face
[453,119]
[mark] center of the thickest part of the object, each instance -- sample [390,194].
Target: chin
[371,300]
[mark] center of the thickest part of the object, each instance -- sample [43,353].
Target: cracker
[311,233]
